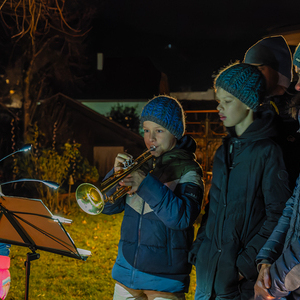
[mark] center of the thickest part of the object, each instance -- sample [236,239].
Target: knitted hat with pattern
[243,81]
[296,57]
[167,112]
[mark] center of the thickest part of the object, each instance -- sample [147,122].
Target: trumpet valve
[127,163]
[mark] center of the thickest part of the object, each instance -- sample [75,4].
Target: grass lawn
[58,277]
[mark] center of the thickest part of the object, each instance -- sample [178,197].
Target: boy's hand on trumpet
[134,180]
[120,160]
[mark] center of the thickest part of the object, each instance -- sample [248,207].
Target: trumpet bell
[90,199]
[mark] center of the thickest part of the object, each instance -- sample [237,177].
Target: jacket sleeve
[199,238]
[178,209]
[118,206]
[285,272]
[275,194]
[274,246]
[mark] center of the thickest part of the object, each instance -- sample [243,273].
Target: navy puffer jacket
[157,229]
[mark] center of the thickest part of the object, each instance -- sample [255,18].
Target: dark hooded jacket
[286,128]
[248,193]
[157,229]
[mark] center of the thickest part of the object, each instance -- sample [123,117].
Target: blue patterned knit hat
[296,57]
[243,81]
[167,112]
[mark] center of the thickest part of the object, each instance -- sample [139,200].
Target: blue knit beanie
[243,81]
[167,112]
[296,60]
[272,51]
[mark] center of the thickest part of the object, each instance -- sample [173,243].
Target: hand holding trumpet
[121,160]
[134,179]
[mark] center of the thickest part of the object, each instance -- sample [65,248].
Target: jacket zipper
[169,247]
[139,233]
[138,245]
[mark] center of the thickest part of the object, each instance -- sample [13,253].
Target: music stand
[29,223]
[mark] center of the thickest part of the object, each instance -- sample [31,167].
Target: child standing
[248,192]
[164,202]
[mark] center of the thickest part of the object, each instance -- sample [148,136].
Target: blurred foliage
[65,166]
[45,50]
[125,116]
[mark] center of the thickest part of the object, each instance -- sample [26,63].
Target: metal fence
[207,129]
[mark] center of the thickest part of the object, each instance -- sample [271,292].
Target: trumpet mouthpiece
[152,148]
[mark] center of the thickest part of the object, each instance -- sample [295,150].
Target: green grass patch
[58,277]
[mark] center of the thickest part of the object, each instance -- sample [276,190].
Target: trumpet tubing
[92,200]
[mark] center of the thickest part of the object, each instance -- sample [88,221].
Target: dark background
[189,41]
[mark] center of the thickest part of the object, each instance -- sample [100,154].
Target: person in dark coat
[248,192]
[160,210]
[279,259]
[272,56]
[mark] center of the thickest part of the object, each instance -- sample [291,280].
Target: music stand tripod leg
[30,257]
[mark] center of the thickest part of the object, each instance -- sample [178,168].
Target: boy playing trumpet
[160,209]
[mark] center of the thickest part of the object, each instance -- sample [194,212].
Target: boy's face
[233,112]
[158,136]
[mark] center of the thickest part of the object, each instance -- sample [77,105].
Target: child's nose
[219,107]
[152,136]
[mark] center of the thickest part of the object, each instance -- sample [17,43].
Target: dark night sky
[204,36]
[187,40]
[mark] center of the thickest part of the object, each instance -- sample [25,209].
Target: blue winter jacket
[282,250]
[157,229]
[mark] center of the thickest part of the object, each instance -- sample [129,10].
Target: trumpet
[92,199]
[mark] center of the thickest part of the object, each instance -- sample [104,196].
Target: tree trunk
[27,99]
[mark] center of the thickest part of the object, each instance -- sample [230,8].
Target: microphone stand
[29,223]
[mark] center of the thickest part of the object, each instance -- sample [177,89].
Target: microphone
[50,184]
[25,148]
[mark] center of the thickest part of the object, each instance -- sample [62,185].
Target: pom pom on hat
[167,112]
[274,52]
[296,59]
[243,81]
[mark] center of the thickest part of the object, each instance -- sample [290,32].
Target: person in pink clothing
[4,270]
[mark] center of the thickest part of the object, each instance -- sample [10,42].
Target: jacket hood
[184,150]
[262,127]
[186,143]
